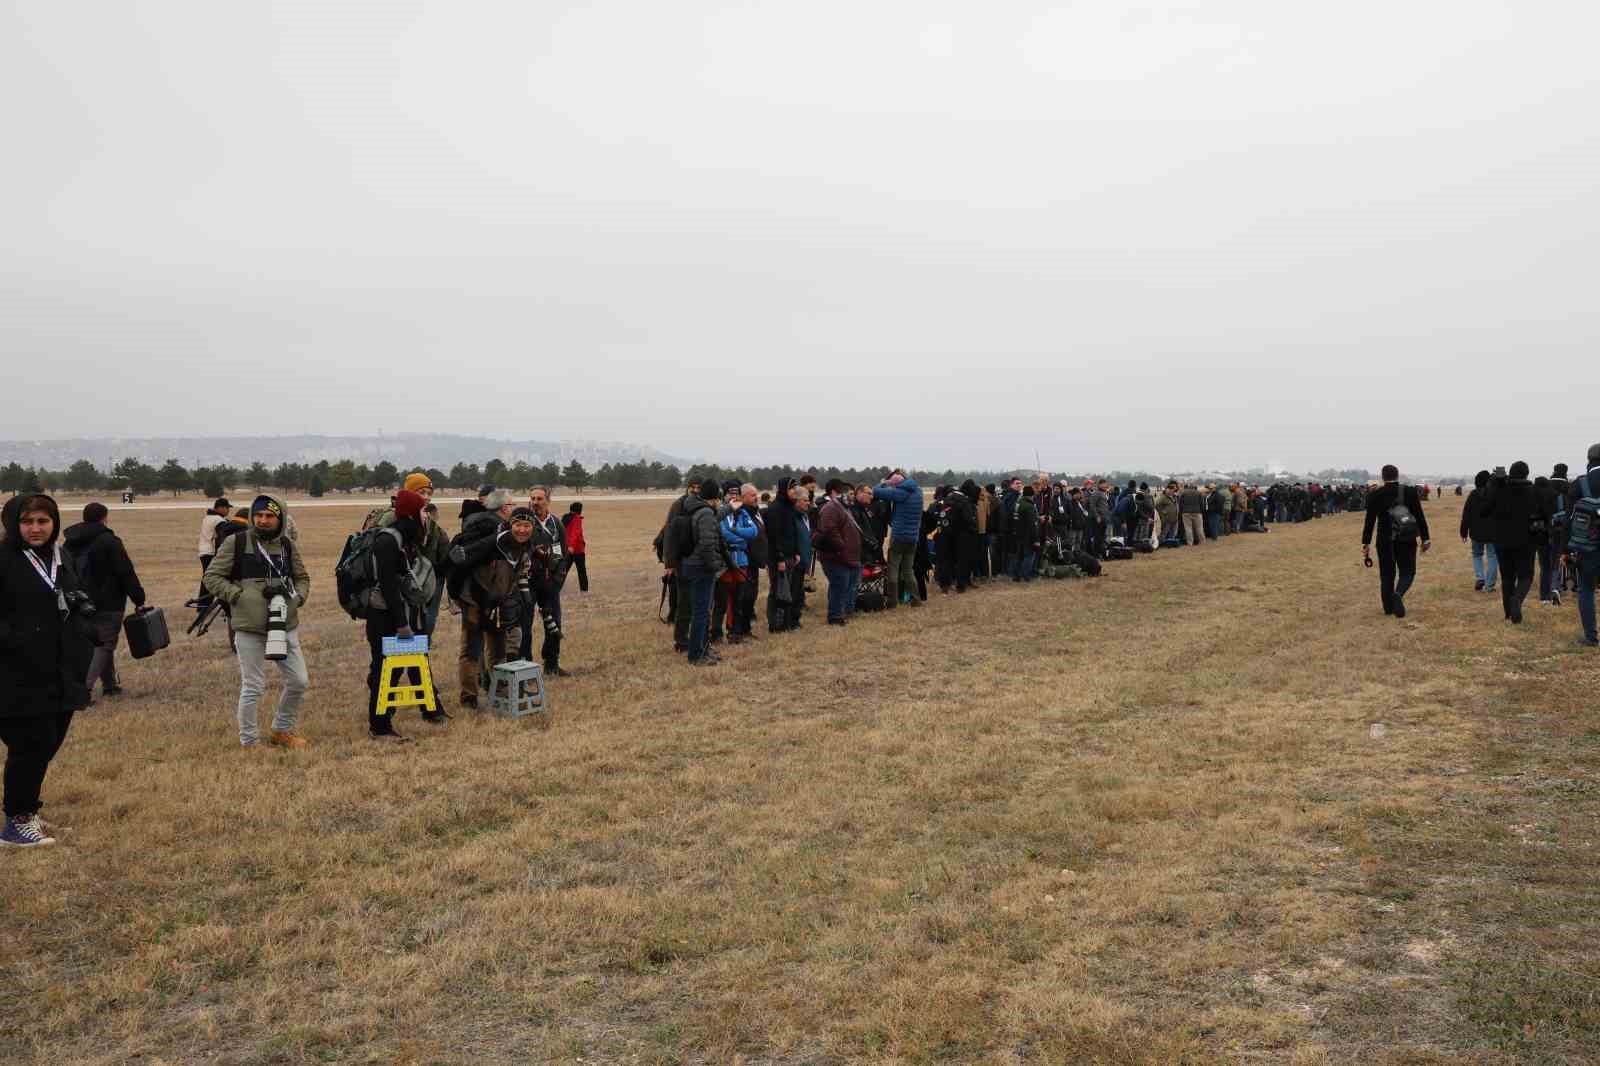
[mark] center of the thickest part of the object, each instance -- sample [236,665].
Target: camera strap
[49,577]
[277,570]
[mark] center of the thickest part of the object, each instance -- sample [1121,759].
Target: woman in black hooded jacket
[781,555]
[46,626]
[1510,505]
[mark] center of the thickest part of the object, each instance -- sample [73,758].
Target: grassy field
[1213,807]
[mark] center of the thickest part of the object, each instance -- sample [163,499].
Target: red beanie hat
[408,504]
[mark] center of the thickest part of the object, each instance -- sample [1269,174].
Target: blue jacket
[738,530]
[905,523]
[802,538]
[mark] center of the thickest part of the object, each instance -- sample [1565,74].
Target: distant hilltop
[440,450]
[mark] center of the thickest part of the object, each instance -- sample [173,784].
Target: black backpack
[1402,523]
[680,540]
[355,575]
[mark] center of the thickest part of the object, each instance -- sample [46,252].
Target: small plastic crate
[417,645]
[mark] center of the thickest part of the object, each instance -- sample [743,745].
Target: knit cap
[417,482]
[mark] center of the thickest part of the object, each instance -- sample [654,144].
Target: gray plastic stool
[516,689]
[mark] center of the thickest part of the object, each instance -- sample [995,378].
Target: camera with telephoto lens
[277,648]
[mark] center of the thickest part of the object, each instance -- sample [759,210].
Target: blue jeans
[700,583]
[1485,563]
[851,590]
[839,597]
[1588,573]
[1022,564]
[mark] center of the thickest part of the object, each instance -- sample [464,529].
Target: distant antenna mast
[1036,467]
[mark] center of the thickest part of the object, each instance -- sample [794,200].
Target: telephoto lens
[277,635]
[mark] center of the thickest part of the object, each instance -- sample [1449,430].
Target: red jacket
[575,543]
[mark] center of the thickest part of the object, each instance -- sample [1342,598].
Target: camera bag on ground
[147,632]
[1086,563]
[1118,551]
[872,595]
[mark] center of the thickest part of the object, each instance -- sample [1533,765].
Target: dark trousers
[780,615]
[547,598]
[103,667]
[1397,569]
[1516,577]
[744,601]
[681,609]
[697,605]
[1547,554]
[721,600]
[377,628]
[31,743]
[203,598]
[579,563]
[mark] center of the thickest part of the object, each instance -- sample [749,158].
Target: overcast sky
[1213,233]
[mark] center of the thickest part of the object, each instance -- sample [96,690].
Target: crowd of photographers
[882,546]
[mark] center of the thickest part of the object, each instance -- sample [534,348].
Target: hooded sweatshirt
[245,562]
[43,657]
[103,566]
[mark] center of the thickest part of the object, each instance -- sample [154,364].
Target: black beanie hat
[710,491]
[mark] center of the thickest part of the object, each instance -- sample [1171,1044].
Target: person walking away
[701,564]
[577,547]
[838,543]
[107,575]
[392,612]
[1387,514]
[254,570]
[1583,541]
[1475,528]
[209,521]
[1560,491]
[46,643]
[1515,520]
[905,530]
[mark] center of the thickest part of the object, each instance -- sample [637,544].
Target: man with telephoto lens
[250,571]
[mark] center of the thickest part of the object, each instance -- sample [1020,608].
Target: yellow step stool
[400,658]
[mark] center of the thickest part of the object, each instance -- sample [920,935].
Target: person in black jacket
[46,622]
[783,558]
[108,577]
[677,586]
[1475,527]
[1397,549]
[392,615]
[1511,506]
[1553,498]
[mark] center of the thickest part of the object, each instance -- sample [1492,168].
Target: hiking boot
[1399,609]
[23,831]
[1588,642]
[287,739]
[1479,586]
[680,648]
[436,718]
[111,690]
[469,702]
[556,671]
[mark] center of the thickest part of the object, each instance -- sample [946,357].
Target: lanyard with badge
[280,572]
[49,577]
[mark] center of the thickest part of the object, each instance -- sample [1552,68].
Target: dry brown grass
[1139,820]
